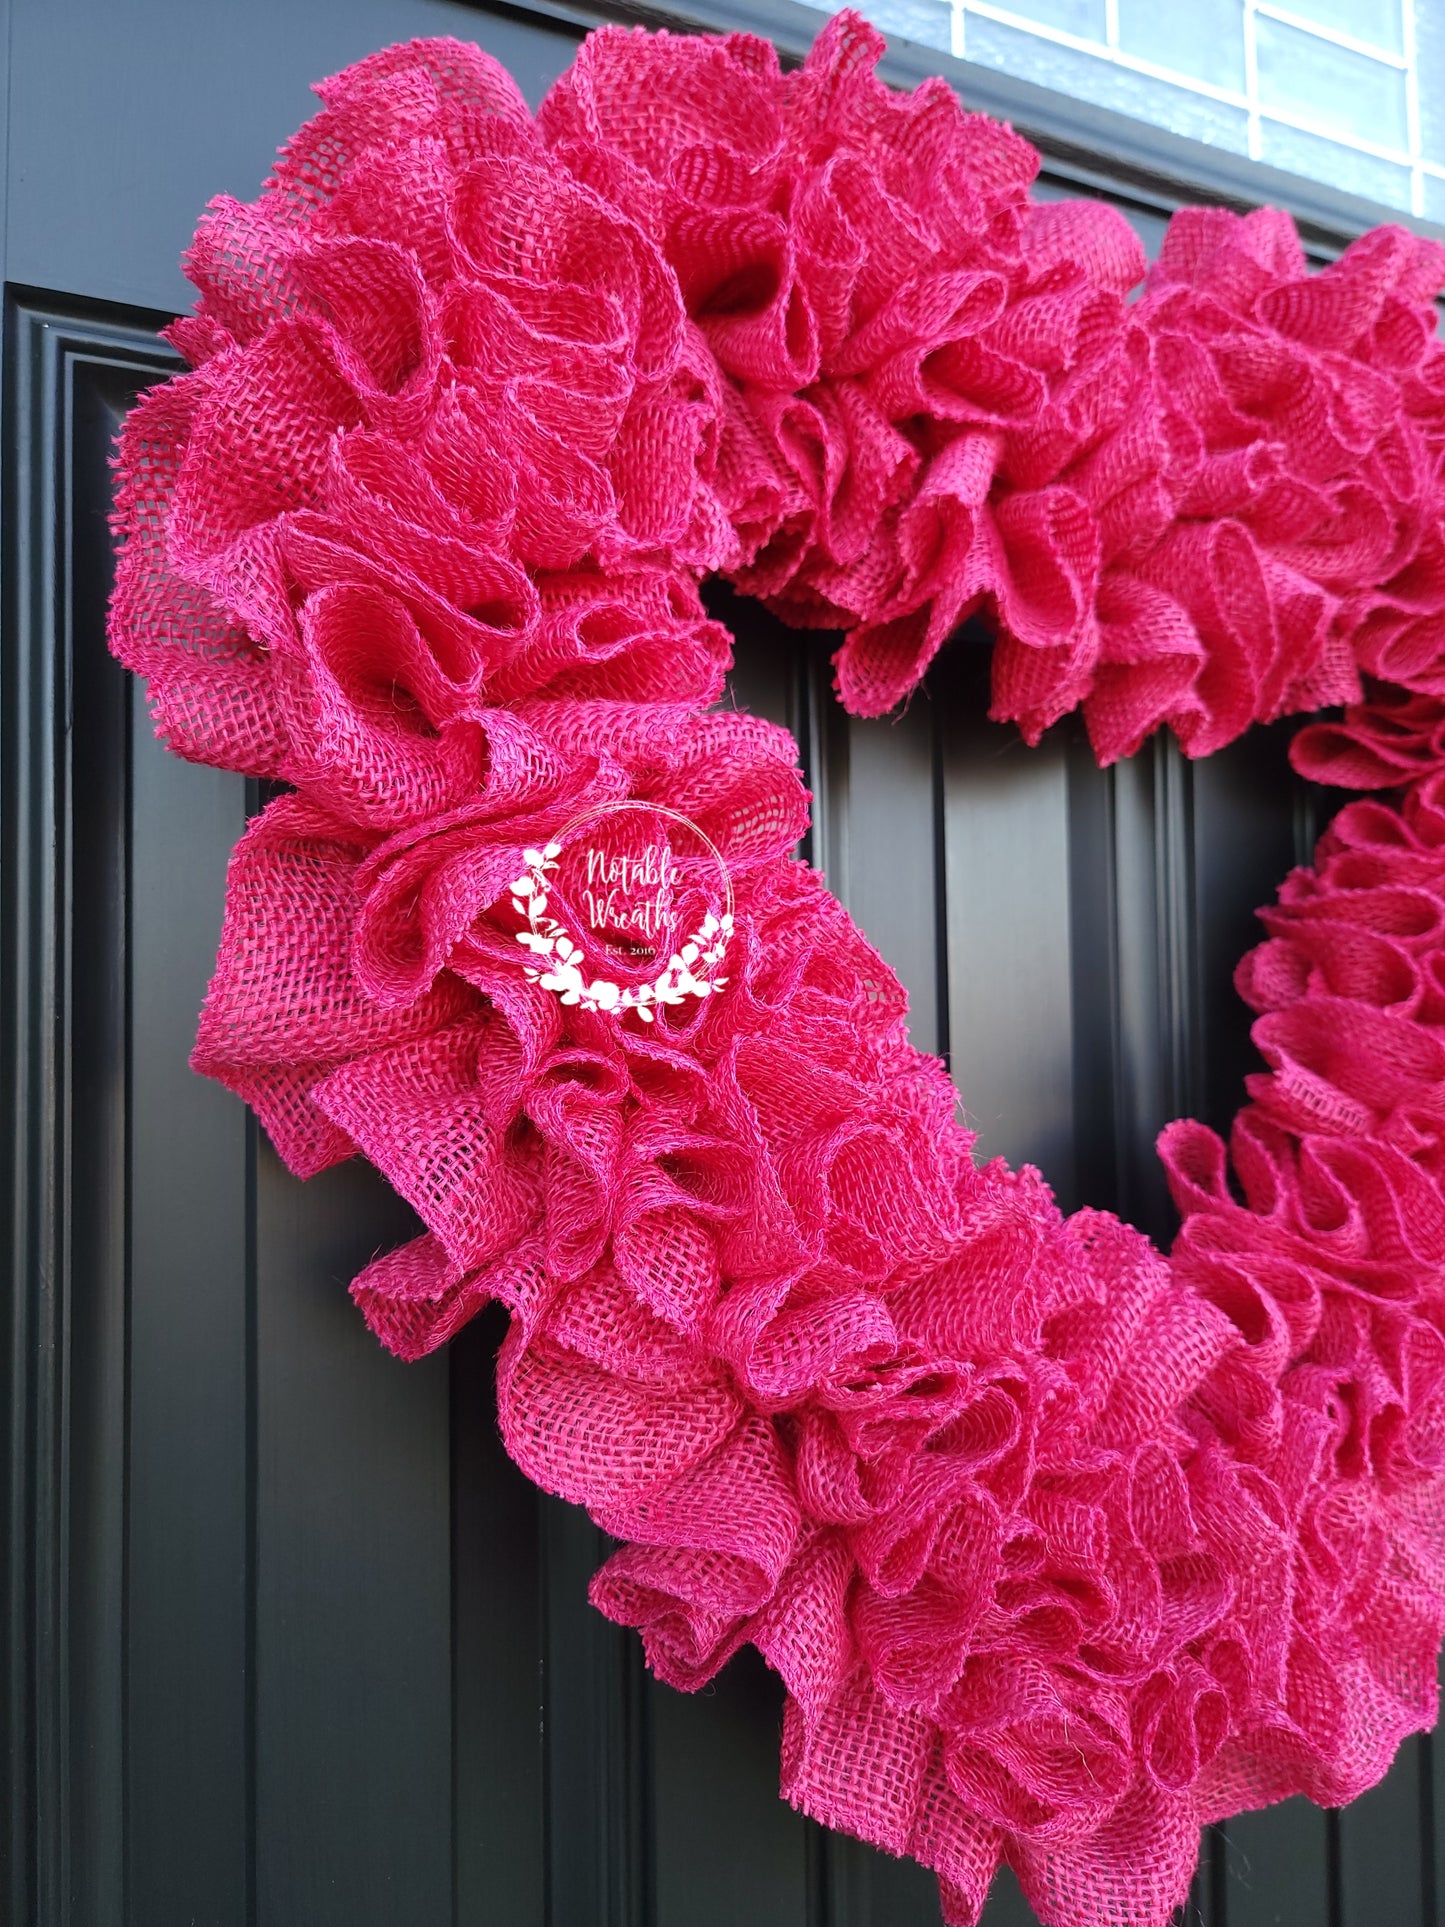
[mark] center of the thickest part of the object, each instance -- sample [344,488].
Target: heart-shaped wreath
[1061,1547]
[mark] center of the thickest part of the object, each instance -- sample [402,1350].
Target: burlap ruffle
[1060,1547]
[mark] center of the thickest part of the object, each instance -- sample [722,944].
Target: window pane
[1377,21]
[1087,78]
[929,22]
[1326,160]
[1204,40]
[1430,63]
[1340,95]
[1083,17]
[1338,91]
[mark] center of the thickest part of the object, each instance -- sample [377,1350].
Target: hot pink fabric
[1061,1547]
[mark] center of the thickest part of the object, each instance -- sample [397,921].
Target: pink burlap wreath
[1061,1547]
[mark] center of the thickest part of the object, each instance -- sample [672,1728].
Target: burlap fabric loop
[1061,1547]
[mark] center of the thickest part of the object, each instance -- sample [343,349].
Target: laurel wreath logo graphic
[690,968]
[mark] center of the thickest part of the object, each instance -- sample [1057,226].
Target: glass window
[929,22]
[1430,66]
[1203,41]
[1085,76]
[1325,160]
[1087,18]
[1346,91]
[1379,22]
[1333,89]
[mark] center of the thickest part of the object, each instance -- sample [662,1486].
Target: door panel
[125,120]
[1006,909]
[352,1606]
[185,1264]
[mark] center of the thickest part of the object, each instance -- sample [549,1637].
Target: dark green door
[289,1643]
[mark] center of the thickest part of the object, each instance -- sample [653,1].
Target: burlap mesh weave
[1061,1548]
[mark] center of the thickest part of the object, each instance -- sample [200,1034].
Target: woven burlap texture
[1061,1548]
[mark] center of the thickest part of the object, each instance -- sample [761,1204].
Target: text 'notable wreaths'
[1062,1548]
[691,969]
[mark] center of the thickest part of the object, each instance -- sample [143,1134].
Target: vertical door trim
[49,348]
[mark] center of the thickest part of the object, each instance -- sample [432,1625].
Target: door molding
[59,904]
